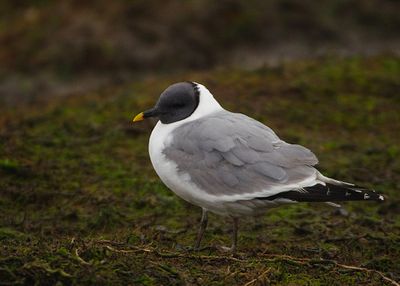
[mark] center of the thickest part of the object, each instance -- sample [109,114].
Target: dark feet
[203,226]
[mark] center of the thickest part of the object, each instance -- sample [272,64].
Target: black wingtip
[361,193]
[329,193]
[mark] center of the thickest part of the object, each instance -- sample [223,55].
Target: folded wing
[231,154]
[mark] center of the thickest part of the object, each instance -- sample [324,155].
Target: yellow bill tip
[138,117]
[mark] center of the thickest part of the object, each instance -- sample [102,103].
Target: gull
[231,164]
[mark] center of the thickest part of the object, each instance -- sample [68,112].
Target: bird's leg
[234,234]
[233,248]
[203,226]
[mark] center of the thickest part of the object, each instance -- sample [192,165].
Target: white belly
[179,183]
[165,169]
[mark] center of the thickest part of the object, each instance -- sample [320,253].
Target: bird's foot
[226,249]
[219,248]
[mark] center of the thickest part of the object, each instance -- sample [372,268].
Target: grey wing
[231,154]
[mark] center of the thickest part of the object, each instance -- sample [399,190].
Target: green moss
[10,233]
[81,204]
[9,166]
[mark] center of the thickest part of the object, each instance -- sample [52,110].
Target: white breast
[161,137]
[166,169]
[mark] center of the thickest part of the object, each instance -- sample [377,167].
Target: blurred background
[64,47]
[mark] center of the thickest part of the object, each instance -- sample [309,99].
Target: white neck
[207,103]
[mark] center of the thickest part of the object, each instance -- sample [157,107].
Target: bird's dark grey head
[177,102]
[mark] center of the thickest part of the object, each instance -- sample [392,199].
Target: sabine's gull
[230,164]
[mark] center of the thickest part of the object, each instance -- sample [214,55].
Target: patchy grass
[80,203]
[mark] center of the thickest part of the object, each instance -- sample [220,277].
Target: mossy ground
[81,204]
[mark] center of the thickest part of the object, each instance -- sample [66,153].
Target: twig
[80,259]
[47,268]
[369,270]
[269,258]
[129,250]
[351,267]
[110,242]
[258,278]
[173,254]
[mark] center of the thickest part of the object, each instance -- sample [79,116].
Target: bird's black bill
[151,113]
[146,114]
